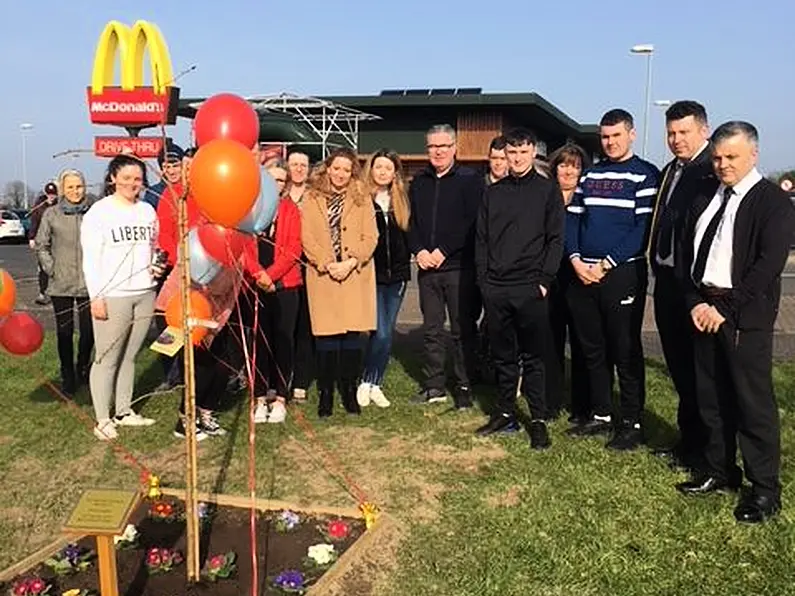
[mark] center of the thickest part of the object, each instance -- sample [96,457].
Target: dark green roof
[516,100]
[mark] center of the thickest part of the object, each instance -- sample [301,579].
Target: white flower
[130,534]
[321,554]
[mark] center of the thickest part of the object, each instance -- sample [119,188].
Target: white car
[11,227]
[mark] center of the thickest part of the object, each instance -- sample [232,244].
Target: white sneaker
[133,419]
[105,430]
[378,397]
[260,413]
[299,394]
[278,412]
[363,394]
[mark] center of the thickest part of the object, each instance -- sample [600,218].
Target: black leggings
[275,341]
[211,373]
[65,328]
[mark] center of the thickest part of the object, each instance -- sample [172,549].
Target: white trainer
[105,430]
[378,398]
[278,412]
[133,419]
[260,413]
[363,394]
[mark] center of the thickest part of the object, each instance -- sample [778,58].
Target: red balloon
[223,244]
[21,334]
[226,116]
[224,181]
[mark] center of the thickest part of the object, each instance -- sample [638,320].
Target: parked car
[24,216]
[11,227]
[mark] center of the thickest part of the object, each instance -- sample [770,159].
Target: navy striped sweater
[610,213]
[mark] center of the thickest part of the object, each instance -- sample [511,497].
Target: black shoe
[591,428]
[462,397]
[755,509]
[678,458]
[539,437]
[579,419]
[704,484]
[42,300]
[325,404]
[553,415]
[68,387]
[498,423]
[179,430]
[429,396]
[628,437]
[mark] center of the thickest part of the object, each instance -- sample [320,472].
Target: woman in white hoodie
[118,236]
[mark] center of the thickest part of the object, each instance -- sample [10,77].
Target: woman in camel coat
[339,235]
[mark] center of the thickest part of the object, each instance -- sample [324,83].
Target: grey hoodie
[59,251]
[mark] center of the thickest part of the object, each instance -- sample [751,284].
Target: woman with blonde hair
[339,236]
[61,258]
[386,188]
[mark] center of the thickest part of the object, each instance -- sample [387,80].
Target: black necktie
[664,240]
[709,237]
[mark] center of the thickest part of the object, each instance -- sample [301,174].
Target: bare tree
[15,195]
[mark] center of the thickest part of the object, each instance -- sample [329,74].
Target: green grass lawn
[477,516]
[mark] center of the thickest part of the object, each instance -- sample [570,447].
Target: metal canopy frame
[325,118]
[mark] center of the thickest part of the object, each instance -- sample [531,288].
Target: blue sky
[728,54]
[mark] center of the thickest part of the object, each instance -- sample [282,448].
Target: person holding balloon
[339,236]
[275,256]
[384,179]
[118,236]
[60,257]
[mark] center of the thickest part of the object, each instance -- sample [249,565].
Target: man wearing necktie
[688,139]
[736,246]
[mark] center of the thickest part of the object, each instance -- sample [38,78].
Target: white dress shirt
[718,269]
[677,175]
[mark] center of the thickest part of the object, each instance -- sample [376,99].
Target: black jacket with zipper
[443,212]
[519,232]
[392,256]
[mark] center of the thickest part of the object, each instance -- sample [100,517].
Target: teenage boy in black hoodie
[518,247]
[444,202]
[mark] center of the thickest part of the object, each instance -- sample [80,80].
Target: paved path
[20,263]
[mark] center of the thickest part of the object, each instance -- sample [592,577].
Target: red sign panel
[144,147]
[138,108]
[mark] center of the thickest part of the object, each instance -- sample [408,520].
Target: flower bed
[295,549]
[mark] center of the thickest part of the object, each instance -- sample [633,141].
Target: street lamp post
[663,104]
[647,50]
[23,128]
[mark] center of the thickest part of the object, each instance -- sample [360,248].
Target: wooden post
[191,478]
[106,560]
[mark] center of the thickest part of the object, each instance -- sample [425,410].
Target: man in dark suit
[688,139]
[736,246]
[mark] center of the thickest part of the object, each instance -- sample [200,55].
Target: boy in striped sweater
[607,226]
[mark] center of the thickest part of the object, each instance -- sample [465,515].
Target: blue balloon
[203,268]
[264,209]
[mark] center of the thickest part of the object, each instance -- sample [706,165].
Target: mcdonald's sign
[132,104]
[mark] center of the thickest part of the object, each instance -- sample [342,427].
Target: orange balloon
[199,308]
[8,293]
[224,181]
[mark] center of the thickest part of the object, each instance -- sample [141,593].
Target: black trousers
[676,335]
[212,373]
[608,318]
[447,293]
[44,281]
[562,326]
[518,324]
[734,381]
[275,341]
[304,344]
[64,307]
[241,323]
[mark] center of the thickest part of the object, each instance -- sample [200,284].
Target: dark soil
[226,529]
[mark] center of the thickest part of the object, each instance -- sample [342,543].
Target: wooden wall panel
[475,131]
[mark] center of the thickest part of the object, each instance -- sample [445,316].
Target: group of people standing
[537,257]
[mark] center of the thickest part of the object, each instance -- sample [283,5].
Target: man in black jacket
[736,246]
[519,244]
[444,200]
[44,202]
[688,139]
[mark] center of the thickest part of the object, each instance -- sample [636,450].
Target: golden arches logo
[130,43]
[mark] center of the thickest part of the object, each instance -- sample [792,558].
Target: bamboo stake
[191,502]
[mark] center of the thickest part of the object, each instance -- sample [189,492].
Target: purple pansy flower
[290,580]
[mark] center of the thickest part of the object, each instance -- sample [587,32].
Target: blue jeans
[388,300]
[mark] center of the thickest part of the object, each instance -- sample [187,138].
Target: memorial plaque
[102,512]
